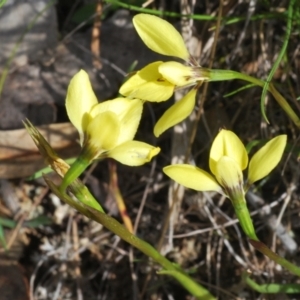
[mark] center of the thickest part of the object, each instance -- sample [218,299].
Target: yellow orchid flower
[157,81]
[227,160]
[106,129]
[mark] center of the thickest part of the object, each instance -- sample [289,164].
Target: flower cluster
[157,81]
[106,129]
[227,160]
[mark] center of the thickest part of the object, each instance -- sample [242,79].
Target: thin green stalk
[279,58]
[85,196]
[261,247]
[89,206]
[227,21]
[76,169]
[248,228]
[243,215]
[242,212]
[159,12]
[113,225]
[221,75]
[271,288]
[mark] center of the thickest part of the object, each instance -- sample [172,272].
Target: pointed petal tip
[192,177]
[79,101]
[160,36]
[227,143]
[176,113]
[266,158]
[134,153]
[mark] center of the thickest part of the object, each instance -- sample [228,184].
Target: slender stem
[242,213]
[272,288]
[83,194]
[261,247]
[76,169]
[279,57]
[221,75]
[113,225]
[85,158]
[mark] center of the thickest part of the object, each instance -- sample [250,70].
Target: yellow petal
[228,144]
[146,74]
[160,36]
[177,73]
[128,113]
[130,120]
[80,100]
[176,113]
[148,84]
[119,106]
[192,177]
[266,158]
[153,91]
[133,153]
[103,131]
[230,177]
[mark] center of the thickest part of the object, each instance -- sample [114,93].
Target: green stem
[83,194]
[279,57]
[226,20]
[221,75]
[261,247]
[243,215]
[76,169]
[113,225]
[271,288]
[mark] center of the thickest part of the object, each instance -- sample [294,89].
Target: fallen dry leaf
[19,156]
